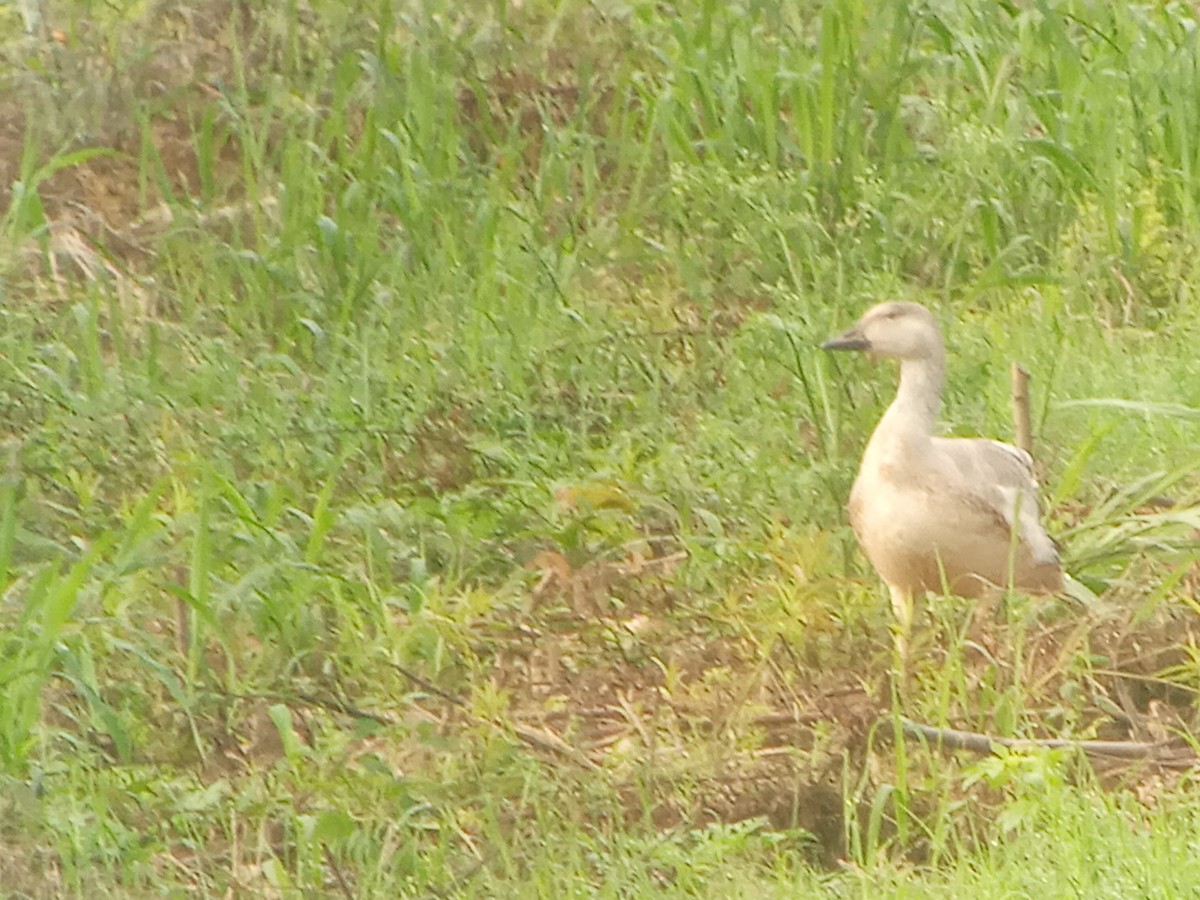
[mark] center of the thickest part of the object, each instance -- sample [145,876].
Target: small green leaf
[333,826]
[281,716]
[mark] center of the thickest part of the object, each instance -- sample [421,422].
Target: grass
[419,475]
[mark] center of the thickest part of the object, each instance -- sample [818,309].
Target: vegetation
[420,477]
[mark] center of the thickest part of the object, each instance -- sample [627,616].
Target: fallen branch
[975,742]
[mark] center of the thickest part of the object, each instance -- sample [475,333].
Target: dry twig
[1022,424]
[539,738]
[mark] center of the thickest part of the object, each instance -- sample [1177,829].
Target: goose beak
[851,339]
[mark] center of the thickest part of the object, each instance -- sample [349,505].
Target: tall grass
[439,300]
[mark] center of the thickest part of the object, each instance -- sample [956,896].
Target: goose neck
[919,396]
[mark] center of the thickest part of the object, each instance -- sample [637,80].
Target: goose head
[896,329]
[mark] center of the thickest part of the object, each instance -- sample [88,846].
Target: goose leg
[902,606]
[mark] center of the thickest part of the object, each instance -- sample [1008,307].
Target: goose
[957,515]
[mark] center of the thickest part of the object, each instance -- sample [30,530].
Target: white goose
[937,514]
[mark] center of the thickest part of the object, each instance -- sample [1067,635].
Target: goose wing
[999,479]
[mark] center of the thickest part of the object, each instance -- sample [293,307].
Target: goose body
[940,514]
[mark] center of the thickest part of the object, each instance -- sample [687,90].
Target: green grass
[420,475]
